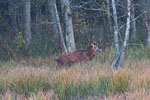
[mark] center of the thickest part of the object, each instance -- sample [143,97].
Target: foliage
[88,25]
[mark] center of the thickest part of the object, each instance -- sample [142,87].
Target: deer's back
[76,57]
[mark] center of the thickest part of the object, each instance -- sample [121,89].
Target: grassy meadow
[40,79]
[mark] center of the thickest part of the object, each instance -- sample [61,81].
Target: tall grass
[37,79]
[76,82]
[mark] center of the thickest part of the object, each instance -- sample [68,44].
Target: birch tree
[119,61]
[116,31]
[68,27]
[54,18]
[27,22]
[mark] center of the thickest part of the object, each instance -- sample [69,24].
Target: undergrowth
[38,79]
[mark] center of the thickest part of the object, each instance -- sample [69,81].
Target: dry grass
[135,95]
[37,79]
[49,95]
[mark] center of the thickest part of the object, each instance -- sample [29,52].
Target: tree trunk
[147,23]
[68,27]
[133,21]
[13,24]
[108,15]
[27,23]
[116,31]
[147,27]
[37,20]
[105,31]
[56,27]
[121,61]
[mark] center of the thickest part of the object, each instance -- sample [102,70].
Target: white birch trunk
[27,22]
[56,27]
[68,27]
[121,61]
[116,30]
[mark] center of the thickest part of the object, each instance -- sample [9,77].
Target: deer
[81,56]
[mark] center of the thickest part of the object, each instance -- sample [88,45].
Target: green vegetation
[38,78]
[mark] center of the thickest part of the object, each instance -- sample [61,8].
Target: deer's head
[95,47]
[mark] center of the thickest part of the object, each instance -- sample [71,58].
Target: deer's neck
[90,53]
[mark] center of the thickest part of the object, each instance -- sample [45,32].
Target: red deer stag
[82,56]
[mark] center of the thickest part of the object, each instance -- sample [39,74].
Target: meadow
[40,79]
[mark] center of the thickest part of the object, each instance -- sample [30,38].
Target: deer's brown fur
[79,56]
